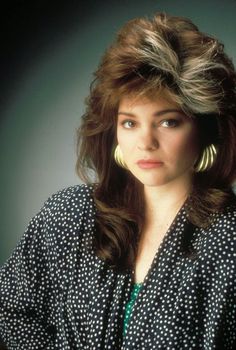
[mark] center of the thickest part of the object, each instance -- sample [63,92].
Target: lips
[149,163]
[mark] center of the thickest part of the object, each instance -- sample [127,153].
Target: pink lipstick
[149,163]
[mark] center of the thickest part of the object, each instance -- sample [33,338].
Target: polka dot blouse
[56,294]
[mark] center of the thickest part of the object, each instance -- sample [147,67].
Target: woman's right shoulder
[63,215]
[73,199]
[64,219]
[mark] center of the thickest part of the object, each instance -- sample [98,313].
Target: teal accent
[129,306]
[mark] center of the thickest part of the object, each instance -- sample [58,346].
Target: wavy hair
[149,56]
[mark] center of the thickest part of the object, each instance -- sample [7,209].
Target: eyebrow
[156,114]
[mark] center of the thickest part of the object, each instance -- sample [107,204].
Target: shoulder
[80,193]
[224,224]
[65,216]
[219,243]
[54,234]
[72,201]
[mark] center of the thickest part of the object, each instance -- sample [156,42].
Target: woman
[142,257]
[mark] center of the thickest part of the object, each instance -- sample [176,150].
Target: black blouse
[56,294]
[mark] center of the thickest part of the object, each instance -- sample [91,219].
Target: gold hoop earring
[207,159]
[118,156]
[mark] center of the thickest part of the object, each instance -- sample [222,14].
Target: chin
[151,182]
[160,178]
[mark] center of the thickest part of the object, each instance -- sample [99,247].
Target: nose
[147,139]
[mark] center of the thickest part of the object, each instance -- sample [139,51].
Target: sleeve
[25,291]
[218,276]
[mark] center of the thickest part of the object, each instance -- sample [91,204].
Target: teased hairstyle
[150,56]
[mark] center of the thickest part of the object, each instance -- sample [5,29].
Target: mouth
[148,164]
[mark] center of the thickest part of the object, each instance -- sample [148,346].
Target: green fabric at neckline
[129,306]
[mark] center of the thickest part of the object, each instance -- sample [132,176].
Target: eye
[170,123]
[128,124]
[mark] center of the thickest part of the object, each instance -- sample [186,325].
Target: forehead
[158,102]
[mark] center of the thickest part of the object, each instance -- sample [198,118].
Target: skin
[158,129]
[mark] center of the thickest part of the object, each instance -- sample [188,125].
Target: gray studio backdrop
[38,127]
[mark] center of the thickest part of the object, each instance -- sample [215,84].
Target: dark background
[49,51]
[30,27]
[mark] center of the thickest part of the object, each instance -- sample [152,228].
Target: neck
[166,199]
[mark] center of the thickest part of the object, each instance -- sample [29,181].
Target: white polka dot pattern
[56,294]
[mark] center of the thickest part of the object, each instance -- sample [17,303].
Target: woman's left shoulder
[220,237]
[226,220]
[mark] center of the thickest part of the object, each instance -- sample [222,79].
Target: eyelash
[126,121]
[176,122]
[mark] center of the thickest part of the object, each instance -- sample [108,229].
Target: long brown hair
[170,54]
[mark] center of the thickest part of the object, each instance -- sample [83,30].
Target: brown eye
[170,123]
[128,124]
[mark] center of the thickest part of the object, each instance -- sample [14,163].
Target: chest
[147,249]
[97,304]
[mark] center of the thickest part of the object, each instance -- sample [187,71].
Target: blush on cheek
[187,139]
[182,148]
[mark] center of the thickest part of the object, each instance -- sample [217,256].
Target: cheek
[183,145]
[121,137]
[125,141]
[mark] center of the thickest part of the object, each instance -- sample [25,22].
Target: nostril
[149,148]
[148,144]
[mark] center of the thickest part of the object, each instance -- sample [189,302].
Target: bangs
[141,87]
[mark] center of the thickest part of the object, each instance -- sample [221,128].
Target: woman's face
[158,141]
